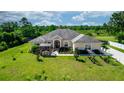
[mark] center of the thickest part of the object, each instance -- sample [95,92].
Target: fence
[116,44]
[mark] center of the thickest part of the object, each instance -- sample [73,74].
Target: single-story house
[67,38]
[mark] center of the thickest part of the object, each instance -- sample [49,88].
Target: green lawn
[106,38]
[26,67]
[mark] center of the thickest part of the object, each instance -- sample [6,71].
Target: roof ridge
[77,38]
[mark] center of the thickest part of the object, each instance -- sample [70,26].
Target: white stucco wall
[69,43]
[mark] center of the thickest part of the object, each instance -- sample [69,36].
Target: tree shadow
[80,60]
[49,56]
[40,60]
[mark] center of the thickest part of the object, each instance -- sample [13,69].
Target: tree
[116,23]
[24,21]
[26,28]
[28,31]
[9,26]
[52,27]
[120,37]
[3,46]
[6,37]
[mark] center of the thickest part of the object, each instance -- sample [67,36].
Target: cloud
[100,13]
[91,23]
[57,17]
[45,22]
[91,14]
[79,17]
[34,16]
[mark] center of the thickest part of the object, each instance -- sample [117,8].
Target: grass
[104,37]
[119,49]
[107,38]
[26,67]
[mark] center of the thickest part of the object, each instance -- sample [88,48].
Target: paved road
[116,54]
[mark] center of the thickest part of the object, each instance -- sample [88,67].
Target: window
[66,44]
[49,42]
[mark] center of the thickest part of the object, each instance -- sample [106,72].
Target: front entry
[87,46]
[56,44]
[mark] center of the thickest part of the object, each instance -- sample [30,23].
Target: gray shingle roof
[88,39]
[65,34]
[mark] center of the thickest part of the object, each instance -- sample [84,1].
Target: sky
[58,17]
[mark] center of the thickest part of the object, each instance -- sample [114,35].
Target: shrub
[34,48]
[111,61]
[66,77]
[45,53]
[43,71]
[13,58]
[90,34]
[41,76]
[21,52]
[105,47]
[107,59]
[45,77]
[65,50]
[39,58]
[38,77]
[3,67]
[28,78]
[3,46]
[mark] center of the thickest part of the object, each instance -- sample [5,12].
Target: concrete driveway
[116,54]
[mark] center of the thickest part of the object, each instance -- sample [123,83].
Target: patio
[65,51]
[95,52]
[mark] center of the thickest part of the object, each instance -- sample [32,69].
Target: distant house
[67,38]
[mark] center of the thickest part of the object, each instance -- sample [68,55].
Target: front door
[56,44]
